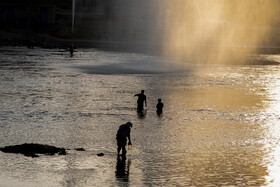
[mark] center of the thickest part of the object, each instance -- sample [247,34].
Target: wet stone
[80,149]
[31,150]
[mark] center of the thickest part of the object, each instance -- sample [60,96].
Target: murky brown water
[220,124]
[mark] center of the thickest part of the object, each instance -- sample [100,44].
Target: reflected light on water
[219,126]
[215,142]
[274,167]
[273,110]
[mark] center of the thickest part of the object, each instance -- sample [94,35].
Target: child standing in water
[159,107]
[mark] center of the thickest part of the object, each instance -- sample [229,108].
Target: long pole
[73,15]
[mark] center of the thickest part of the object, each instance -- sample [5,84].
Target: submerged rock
[33,149]
[80,149]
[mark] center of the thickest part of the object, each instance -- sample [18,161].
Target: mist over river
[220,123]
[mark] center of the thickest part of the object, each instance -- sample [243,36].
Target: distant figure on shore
[71,50]
[140,102]
[159,107]
[31,43]
[122,135]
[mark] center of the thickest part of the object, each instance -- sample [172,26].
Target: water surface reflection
[219,125]
[122,169]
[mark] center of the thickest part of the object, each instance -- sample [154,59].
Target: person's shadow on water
[122,169]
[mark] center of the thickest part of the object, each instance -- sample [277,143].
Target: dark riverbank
[49,41]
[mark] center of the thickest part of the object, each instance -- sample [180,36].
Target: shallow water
[220,124]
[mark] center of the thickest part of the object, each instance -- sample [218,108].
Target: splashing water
[220,31]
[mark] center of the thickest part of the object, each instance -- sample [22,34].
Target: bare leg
[123,150]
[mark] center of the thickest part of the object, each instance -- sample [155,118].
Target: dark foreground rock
[33,149]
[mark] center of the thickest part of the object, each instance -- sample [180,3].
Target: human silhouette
[71,50]
[31,42]
[159,107]
[122,135]
[140,102]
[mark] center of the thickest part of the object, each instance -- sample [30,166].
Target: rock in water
[33,149]
[80,149]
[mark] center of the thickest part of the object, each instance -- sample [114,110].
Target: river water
[220,123]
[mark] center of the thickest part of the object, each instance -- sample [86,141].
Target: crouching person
[122,135]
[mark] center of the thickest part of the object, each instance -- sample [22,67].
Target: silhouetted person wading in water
[140,101]
[122,135]
[71,50]
[159,107]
